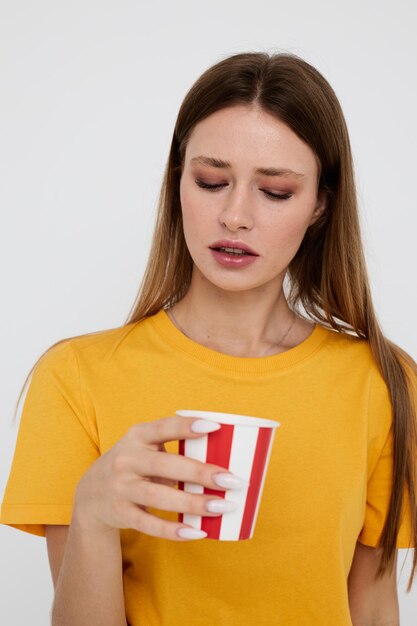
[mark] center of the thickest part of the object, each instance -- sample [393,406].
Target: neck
[242,323]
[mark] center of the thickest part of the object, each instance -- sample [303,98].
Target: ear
[320,207]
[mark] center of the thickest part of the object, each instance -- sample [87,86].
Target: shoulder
[103,342]
[348,360]
[357,350]
[96,346]
[349,349]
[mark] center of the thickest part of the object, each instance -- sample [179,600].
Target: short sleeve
[55,446]
[380,471]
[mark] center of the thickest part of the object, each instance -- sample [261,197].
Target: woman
[259,187]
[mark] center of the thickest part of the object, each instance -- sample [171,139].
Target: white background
[89,94]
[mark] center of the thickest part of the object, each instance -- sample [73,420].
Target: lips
[233,243]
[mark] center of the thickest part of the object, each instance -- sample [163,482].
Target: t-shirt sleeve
[56,444]
[380,470]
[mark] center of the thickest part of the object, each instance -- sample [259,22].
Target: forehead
[245,136]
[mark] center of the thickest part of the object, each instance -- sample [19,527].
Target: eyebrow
[266,171]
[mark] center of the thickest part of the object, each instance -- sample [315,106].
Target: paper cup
[242,446]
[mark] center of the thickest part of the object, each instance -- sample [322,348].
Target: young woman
[258,190]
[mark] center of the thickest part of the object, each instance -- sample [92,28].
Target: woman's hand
[137,472]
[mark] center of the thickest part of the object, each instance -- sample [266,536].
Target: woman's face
[242,207]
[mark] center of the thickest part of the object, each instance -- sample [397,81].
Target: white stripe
[241,461]
[196,449]
[268,454]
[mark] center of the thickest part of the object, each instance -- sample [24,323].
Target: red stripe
[219,449]
[261,451]
[181,450]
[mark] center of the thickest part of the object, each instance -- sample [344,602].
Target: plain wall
[89,93]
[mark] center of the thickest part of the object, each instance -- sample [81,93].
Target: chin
[234,283]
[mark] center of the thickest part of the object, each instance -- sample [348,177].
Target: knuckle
[114,486]
[195,505]
[158,428]
[118,463]
[147,491]
[158,462]
[135,431]
[200,474]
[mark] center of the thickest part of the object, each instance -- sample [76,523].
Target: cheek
[188,201]
[186,205]
[194,214]
[192,218]
[286,233]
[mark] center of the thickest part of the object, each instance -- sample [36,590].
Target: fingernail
[191,533]
[221,506]
[230,480]
[204,426]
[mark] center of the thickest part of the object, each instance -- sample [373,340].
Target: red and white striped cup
[242,446]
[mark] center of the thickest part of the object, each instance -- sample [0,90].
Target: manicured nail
[191,533]
[230,480]
[221,506]
[204,426]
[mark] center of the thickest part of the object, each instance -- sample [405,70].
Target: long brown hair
[328,275]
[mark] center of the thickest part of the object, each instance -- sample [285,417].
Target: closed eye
[272,196]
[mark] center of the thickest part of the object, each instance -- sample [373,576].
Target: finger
[171,428]
[150,494]
[153,464]
[163,481]
[154,526]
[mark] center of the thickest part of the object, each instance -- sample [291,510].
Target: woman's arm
[56,540]
[372,602]
[89,588]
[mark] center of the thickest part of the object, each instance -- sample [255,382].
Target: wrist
[82,521]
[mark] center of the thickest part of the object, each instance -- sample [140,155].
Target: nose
[236,212]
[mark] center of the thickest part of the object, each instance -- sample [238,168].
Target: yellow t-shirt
[327,485]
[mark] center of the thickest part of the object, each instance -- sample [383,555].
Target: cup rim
[230,418]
